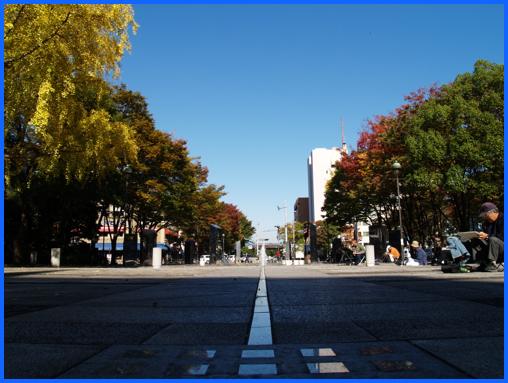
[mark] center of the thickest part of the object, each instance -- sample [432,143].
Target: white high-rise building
[320,166]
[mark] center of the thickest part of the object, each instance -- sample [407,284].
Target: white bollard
[371,259]
[55,257]
[157,258]
[33,258]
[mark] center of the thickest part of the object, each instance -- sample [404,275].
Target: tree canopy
[449,141]
[51,64]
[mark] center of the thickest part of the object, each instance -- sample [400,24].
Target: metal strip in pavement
[261,329]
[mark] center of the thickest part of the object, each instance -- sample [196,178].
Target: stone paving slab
[469,354]
[431,328]
[318,332]
[201,333]
[472,290]
[43,360]
[447,310]
[362,293]
[230,299]
[78,333]
[155,315]
[126,362]
[24,297]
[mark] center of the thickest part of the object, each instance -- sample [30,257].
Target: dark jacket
[496,228]
[421,256]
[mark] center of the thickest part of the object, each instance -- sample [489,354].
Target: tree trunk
[114,239]
[20,248]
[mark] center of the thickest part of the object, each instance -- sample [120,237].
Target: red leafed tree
[235,226]
[362,187]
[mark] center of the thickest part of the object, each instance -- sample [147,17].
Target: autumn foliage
[449,142]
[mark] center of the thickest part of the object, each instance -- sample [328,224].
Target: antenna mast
[343,146]
[342,129]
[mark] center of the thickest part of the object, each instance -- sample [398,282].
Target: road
[324,320]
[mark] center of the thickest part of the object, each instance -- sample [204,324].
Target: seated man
[358,251]
[490,244]
[421,255]
[457,249]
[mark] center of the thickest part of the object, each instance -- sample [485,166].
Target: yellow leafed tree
[55,55]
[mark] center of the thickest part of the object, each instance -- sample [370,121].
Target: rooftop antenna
[342,129]
[344,146]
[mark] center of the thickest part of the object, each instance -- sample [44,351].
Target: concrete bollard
[33,257]
[55,257]
[371,259]
[157,258]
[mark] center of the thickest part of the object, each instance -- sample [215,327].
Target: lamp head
[396,167]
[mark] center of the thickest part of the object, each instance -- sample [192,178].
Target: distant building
[301,209]
[320,167]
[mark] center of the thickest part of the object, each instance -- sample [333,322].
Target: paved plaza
[319,320]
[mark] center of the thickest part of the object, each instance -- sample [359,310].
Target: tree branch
[8,63]
[15,20]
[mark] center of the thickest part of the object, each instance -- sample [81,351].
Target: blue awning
[119,246]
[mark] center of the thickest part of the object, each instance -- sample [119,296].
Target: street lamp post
[285,227]
[396,169]
[257,240]
[294,241]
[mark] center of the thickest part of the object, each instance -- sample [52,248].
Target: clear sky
[254,88]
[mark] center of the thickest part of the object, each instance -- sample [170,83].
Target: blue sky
[254,88]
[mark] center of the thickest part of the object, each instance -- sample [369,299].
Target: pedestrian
[421,255]
[190,251]
[489,246]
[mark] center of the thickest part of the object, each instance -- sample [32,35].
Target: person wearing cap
[490,246]
[421,255]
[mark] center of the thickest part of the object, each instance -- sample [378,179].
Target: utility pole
[285,227]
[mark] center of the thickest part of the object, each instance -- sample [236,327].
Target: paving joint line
[440,359]
[82,361]
[367,331]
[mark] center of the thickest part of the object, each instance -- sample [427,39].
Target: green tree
[455,143]
[326,232]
